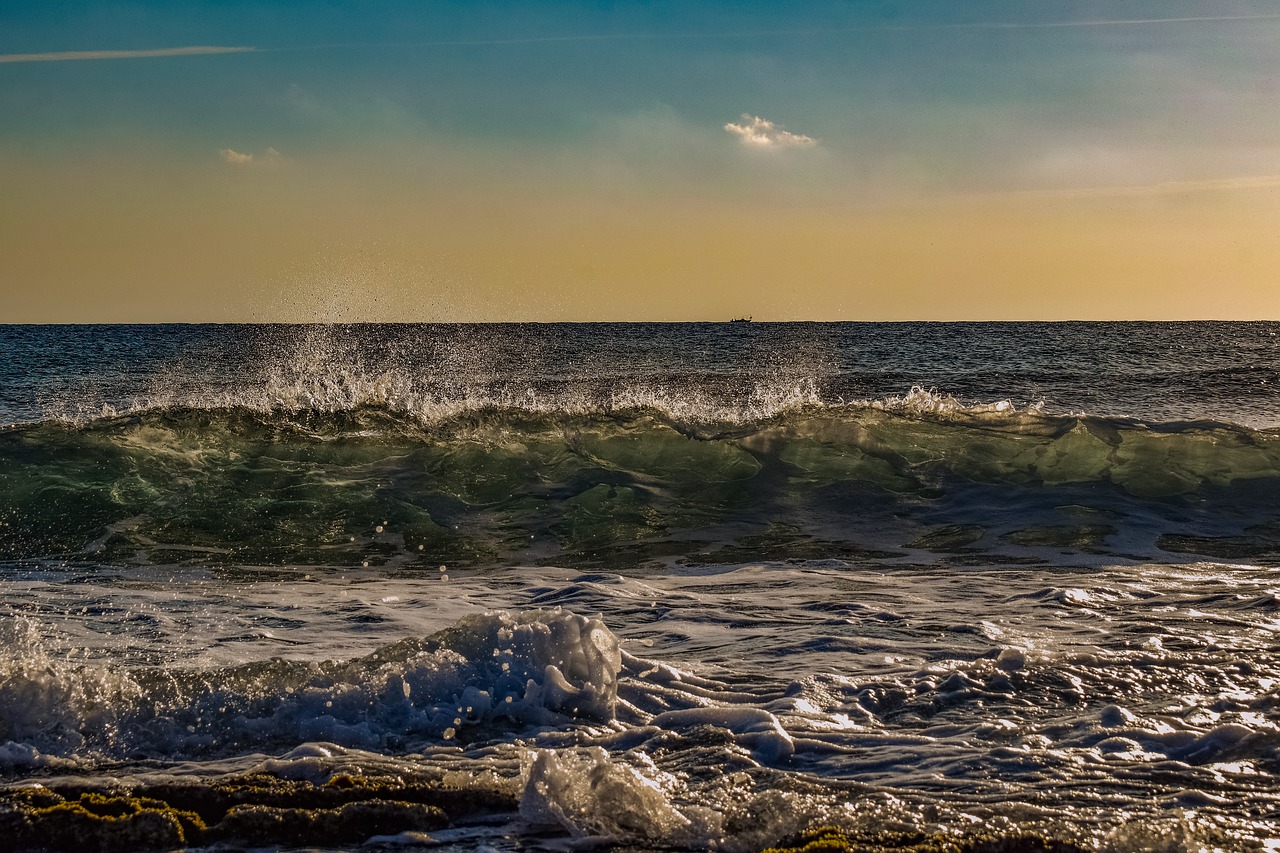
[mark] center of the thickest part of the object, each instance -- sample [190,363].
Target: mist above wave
[427,404]
[459,371]
[697,372]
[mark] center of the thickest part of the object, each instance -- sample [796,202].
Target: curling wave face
[345,481]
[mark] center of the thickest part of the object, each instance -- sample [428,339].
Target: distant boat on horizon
[740,320]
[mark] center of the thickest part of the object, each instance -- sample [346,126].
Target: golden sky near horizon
[259,255]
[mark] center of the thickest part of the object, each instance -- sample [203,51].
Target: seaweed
[258,809]
[830,839]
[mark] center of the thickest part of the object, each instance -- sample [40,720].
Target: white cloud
[761,133]
[232,156]
[240,158]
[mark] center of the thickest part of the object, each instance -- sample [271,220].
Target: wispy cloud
[76,55]
[759,132]
[1102,22]
[825,31]
[1245,182]
[202,50]
[241,158]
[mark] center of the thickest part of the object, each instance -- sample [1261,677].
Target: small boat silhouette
[740,320]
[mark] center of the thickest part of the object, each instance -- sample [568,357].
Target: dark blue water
[1159,371]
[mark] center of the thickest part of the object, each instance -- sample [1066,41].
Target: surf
[492,480]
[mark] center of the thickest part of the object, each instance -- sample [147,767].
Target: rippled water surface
[689,586]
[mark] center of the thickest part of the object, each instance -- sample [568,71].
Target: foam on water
[532,668]
[719,708]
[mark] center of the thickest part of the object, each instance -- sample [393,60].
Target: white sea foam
[746,700]
[534,667]
[590,794]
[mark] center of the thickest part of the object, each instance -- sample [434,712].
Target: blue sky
[640,160]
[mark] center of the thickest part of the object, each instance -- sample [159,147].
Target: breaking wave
[354,474]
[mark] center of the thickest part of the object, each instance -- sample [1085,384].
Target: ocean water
[648,586]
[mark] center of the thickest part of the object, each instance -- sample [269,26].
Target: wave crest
[402,396]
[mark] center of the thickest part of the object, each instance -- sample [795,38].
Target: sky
[429,160]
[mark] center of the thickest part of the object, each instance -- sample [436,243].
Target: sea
[707,586]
